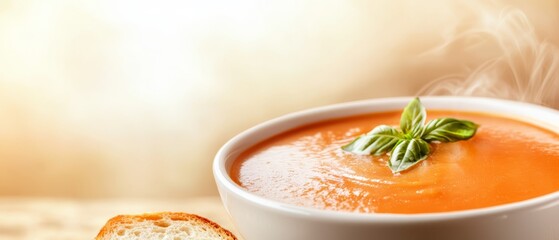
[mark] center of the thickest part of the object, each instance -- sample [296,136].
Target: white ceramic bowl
[258,218]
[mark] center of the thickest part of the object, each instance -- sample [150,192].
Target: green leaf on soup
[407,153]
[448,130]
[410,144]
[413,119]
[380,140]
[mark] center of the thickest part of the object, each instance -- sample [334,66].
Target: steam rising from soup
[525,68]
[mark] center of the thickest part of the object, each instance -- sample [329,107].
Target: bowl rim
[222,178]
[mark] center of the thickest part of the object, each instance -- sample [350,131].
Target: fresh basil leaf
[413,119]
[407,153]
[380,140]
[411,145]
[448,130]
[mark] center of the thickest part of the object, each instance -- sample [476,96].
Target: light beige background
[133,98]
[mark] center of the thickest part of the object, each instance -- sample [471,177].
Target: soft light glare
[133,98]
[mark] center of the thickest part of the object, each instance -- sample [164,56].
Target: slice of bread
[164,225]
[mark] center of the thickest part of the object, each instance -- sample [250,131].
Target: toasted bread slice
[164,225]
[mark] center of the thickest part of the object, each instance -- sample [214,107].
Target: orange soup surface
[506,161]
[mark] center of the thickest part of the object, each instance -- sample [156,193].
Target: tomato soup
[506,161]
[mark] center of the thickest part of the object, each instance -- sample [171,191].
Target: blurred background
[132,99]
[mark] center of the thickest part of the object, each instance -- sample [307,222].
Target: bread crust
[114,222]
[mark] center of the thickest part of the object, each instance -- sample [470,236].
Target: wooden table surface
[65,219]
